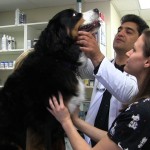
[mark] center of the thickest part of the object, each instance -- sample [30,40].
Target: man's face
[126,37]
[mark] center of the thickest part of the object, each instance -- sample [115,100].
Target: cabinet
[22,33]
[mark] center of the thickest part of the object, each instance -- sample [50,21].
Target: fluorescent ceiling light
[144,4]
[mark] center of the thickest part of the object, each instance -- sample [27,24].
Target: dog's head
[71,22]
[58,39]
[91,21]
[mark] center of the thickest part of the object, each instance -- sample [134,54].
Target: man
[113,87]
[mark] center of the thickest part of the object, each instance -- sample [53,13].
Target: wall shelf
[22,33]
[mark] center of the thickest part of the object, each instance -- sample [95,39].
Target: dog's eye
[74,14]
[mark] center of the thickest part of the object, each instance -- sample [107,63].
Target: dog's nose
[96,10]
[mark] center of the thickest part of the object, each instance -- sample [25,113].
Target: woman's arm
[61,113]
[94,133]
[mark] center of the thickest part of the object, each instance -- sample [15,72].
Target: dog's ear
[53,38]
[56,36]
[58,30]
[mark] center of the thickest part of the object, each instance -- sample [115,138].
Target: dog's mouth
[91,27]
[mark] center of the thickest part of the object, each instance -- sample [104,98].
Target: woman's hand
[59,111]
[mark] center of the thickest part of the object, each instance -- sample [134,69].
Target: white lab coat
[122,86]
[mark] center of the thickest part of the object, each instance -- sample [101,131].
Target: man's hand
[90,47]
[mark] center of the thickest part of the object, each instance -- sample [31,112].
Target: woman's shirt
[131,129]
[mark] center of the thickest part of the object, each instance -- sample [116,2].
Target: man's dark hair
[142,25]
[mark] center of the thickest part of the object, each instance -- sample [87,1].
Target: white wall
[115,23]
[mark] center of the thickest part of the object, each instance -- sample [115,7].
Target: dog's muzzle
[92,21]
[90,27]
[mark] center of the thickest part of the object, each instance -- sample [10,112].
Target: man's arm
[120,84]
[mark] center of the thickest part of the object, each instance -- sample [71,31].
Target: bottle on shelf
[22,18]
[4,42]
[9,43]
[17,15]
[13,43]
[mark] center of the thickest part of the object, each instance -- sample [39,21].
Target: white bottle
[13,43]
[22,18]
[4,42]
[9,43]
[79,6]
[17,14]
[1,43]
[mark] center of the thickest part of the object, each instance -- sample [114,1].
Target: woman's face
[136,61]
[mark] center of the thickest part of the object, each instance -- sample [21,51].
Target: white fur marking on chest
[76,100]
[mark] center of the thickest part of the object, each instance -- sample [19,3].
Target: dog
[51,67]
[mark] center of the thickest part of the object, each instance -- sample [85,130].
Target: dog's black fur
[49,68]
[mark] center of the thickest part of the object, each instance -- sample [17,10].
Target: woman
[130,130]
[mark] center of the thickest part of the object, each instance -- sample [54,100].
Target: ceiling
[122,6]
[132,7]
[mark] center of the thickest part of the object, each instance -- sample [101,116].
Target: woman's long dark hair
[144,90]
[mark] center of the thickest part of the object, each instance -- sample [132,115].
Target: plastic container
[13,43]
[22,18]
[9,43]
[4,42]
[17,14]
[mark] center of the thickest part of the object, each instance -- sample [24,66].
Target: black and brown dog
[25,123]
